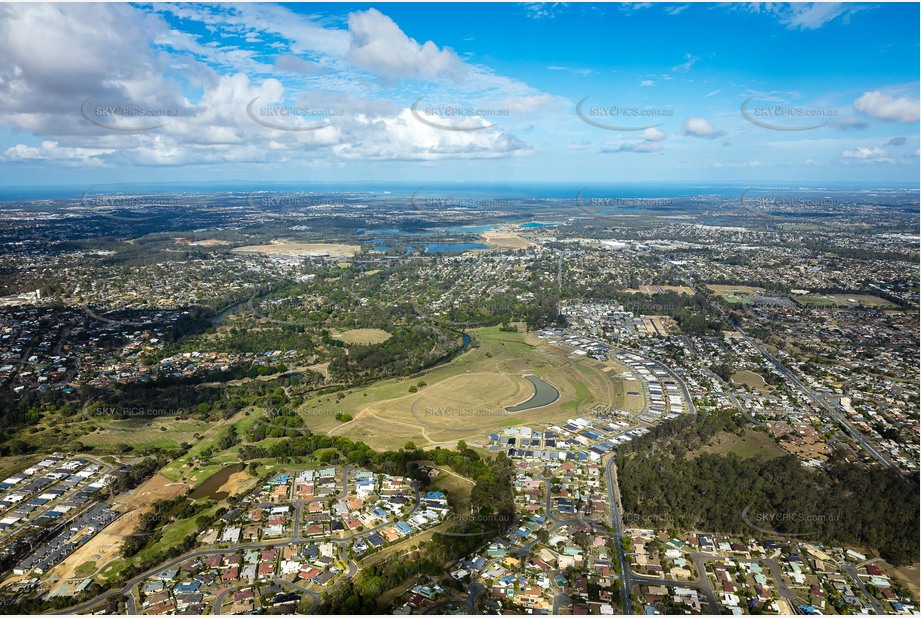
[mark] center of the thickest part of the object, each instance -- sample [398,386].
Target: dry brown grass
[363,336]
[296,248]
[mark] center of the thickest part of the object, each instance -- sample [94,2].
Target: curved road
[127,588]
[474,591]
[852,572]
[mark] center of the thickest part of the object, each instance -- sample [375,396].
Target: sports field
[845,300]
[364,336]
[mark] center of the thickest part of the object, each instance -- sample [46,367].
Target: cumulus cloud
[651,142]
[652,134]
[52,151]
[380,46]
[43,86]
[404,137]
[866,154]
[144,62]
[701,127]
[647,82]
[642,147]
[882,106]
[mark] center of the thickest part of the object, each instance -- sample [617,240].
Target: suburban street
[126,589]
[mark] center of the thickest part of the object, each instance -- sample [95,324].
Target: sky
[810,93]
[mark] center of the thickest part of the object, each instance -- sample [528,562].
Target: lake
[534,224]
[544,394]
[209,489]
[454,247]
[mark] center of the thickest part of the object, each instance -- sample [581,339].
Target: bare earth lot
[296,248]
[659,289]
[106,545]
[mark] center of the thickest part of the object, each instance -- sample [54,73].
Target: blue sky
[805,93]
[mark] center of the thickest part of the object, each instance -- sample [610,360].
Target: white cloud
[848,123]
[652,134]
[866,154]
[42,88]
[689,61]
[812,15]
[43,85]
[380,46]
[543,10]
[52,151]
[701,127]
[404,137]
[651,142]
[292,64]
[577,71]
[743,165]
[528,104]
[641,147]
[885,107]
[804,15]
[647,82]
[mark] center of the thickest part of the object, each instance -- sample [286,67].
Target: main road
[626,575]
[816,398]
[628,578]
[819,400]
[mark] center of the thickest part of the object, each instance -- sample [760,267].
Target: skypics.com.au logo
[767,522]
[280,201]
[127,118]
[773,206]
[292,117]
[779,117]
[465,521]
[610,207]
[130,208]
[449,117]
[453,418]
[435,204]
[621,117]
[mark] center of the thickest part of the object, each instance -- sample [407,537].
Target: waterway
[209,489]
[544,394]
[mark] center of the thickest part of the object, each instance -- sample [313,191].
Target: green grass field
[845,300]
[749,378]
[467,398]
[750,444]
